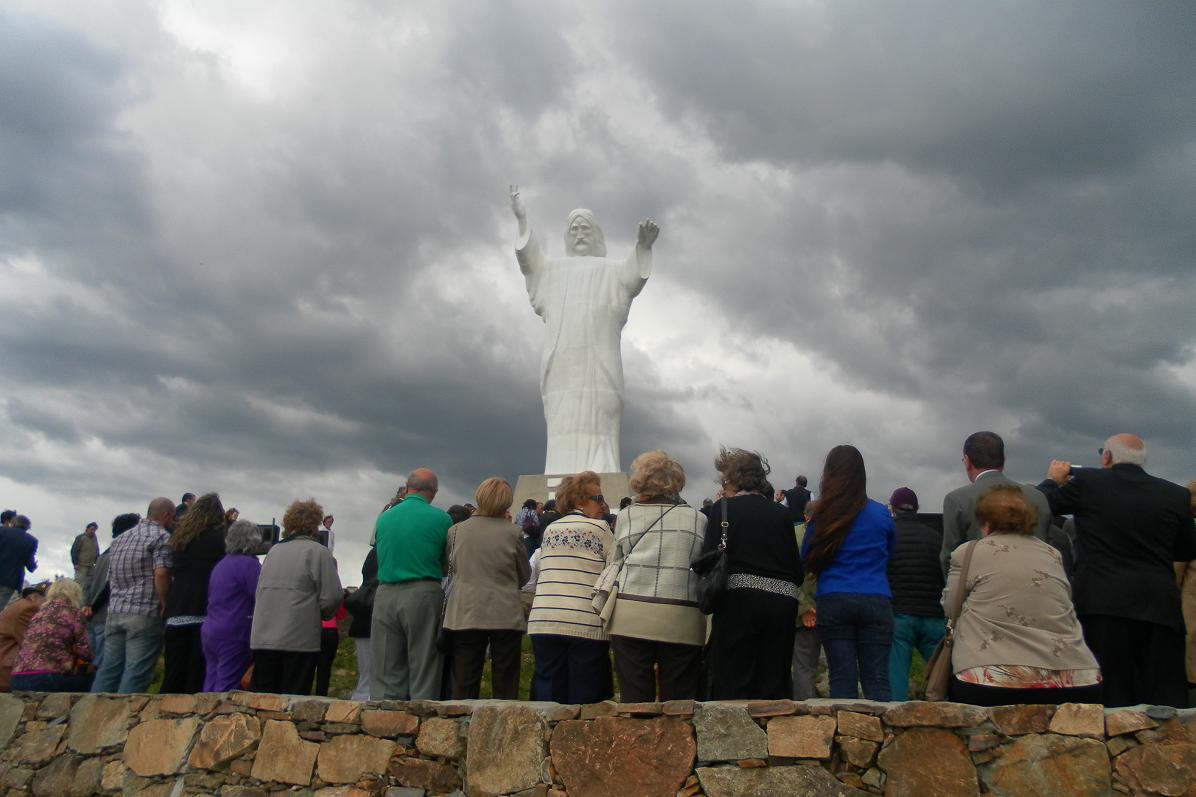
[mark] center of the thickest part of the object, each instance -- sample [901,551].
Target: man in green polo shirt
[404,662]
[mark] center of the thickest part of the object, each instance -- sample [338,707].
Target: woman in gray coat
[298,588]
[488,564]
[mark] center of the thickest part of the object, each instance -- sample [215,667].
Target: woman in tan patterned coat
[1017,639]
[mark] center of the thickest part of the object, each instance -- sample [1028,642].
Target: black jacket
[760,538]
[797,498]
[1130,528]
[359,628]
[189,573]
[915,575]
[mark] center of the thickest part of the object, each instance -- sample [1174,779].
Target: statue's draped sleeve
[640,264]
[527,252]
[531,263]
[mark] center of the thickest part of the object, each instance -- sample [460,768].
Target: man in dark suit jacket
[796,499]
[18,553]
[984,462]
[1130,528]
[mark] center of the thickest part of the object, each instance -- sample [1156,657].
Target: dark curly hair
[743,470]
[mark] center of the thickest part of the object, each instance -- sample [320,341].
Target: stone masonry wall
[251,745]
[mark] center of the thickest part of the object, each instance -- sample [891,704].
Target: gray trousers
[807,648]
[361,646]
[404,662]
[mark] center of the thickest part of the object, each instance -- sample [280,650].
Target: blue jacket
[861,565]
[18,549]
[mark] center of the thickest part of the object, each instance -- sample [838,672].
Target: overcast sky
[266,248]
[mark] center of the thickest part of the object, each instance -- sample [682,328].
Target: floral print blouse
[55,639]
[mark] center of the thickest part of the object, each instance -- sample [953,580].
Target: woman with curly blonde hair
[55,644]
[657,630]
[196,545]
[298,589]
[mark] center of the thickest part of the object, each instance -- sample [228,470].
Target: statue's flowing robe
[584,302]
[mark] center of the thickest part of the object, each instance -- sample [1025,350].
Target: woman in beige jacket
[488,564]
[1017,638]
[657,630]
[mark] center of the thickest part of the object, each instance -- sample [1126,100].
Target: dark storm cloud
[1002,95]
[968,216]
[993,207]
[70,177]
[295,223]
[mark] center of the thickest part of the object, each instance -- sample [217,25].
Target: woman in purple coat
[231,593]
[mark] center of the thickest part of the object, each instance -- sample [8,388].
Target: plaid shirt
[135,555]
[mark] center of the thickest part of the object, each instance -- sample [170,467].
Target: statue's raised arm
[649,230]
[519,211]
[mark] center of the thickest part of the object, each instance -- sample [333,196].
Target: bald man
[138,579]
[1130,528]
[404,661]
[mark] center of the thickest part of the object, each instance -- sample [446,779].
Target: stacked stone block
[250,745]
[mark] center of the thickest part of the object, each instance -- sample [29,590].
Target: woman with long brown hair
[848,544]
[196,546]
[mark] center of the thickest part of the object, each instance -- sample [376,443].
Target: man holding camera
[1130,528]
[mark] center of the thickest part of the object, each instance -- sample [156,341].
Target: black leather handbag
[360,602]
[711,568]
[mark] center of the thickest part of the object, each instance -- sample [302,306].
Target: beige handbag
[938,669]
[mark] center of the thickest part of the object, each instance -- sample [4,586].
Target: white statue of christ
[584,299]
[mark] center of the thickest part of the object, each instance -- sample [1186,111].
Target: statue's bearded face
[581,236]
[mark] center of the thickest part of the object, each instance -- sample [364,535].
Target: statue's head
[583,236]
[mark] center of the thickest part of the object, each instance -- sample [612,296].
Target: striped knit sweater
[572,555]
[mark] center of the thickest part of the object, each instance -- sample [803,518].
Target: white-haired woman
[231,591]
[657,631]
[55,647]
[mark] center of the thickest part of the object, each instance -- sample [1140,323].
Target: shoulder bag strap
[652,525]
[963,582]
[722,546]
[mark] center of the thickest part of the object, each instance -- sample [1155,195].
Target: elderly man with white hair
[1130,527]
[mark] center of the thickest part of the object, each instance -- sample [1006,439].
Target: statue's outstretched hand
[517,204]
[648,233]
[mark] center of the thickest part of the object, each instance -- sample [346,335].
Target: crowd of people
[1065,591]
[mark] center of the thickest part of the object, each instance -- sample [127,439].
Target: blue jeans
[132,643]
[911,632]
[857,632]
[95,638]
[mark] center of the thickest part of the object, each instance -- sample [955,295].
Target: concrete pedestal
[544,486]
